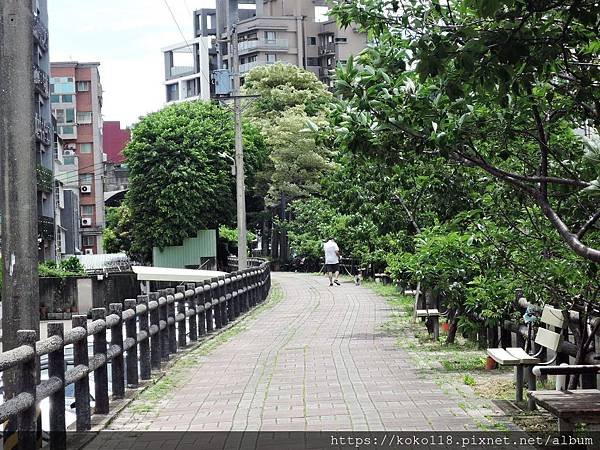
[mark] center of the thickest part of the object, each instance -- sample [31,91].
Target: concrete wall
[114,288]
[58,294]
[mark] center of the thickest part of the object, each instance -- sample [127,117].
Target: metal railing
[269,44]
[40,33]
[41,81]
[146,330]
[43,132]
[249,66]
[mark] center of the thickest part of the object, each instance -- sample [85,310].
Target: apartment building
[47,225]
[298,32]
[115,139]
[187,70]
[76,95]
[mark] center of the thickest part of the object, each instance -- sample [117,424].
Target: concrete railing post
[117,366]
[145,358]
[172,323]
[131,360]
[155,340]
[209,310]
[101,373]
[56,369]
[191,305]
[163,315]
[26,382]
[82,387]
[181,326]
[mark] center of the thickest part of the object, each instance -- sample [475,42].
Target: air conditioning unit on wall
[86,222]
[86,189]
[89,251]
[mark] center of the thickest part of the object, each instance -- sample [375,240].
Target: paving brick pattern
[317,360]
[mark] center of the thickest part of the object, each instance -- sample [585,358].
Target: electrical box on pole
[223,84]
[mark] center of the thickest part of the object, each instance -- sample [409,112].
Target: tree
[497,85]
[178,182]
[292,103]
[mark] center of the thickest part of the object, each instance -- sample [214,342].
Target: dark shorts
[331,268]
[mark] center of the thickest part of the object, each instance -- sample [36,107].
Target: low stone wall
[60,297]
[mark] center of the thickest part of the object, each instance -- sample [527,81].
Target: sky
[126,37]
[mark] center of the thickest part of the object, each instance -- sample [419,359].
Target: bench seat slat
[522,355]
[427,313]
[502,357]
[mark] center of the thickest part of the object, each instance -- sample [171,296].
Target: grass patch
[460,362]
[469,380]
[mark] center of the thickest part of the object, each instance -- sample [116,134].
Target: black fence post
[131,359]
[181,325]
[82,387]
[145,364]
[245,285]
[117,366]
[101,373]
[56,369]
[164,326]
[208,307]
[192,305]
[171,320]
[155,343]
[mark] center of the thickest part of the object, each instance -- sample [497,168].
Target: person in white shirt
[332,261]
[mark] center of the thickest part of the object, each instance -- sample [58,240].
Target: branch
[588,225]
[572,240]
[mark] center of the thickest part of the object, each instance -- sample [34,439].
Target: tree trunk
[453,317]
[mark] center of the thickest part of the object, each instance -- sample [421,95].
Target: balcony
[249,66]
[44,179]
[263,44]
[41,81]
[43,132]
[179,71]
[327,49]
[46,228]
[40,33]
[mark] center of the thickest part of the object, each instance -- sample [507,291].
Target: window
[85,148]
[86,178]
[341,39]
[271,58]
[67,98]
[70,115]
[84,117]
[83,86]
[312,61]
[60,115]
[172,92]
[55,98]
[67,130]
[87,210]
[88,241]
[62,85]
[312,40]
[270,36]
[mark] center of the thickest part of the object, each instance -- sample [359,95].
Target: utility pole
[18,200]
[239,153]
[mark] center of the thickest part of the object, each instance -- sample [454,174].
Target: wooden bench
[521,360]
[383,278]
[426,313]
[569,407]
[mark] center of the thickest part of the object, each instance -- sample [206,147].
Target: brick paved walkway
[317,360]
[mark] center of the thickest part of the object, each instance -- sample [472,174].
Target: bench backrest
[553,316]
[548,339]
